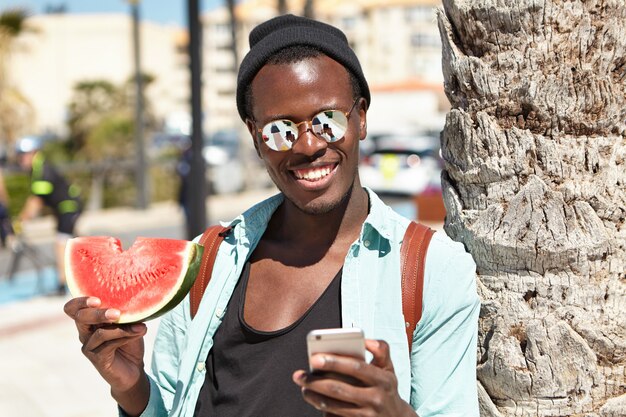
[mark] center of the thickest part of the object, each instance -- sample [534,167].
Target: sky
[161,11]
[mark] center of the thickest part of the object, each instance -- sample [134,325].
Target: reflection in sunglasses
[330,125]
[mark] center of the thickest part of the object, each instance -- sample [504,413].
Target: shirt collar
[254,220]
[251,224]
[377,219]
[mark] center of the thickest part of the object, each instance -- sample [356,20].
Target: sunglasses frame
[309,127]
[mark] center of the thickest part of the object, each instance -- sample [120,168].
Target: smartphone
[346,342]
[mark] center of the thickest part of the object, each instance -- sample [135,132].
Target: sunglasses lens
[330,125]
[280,135]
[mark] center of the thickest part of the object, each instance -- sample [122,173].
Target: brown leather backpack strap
[211,240]
[413,257]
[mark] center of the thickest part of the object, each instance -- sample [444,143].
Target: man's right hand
[115,350]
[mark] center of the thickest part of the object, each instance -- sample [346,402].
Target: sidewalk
[44,373]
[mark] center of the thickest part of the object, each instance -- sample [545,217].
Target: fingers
[85,310]
[330,406]
[318,400]
[372,374]
[105,340]
[348,386]
[87,316]
[71,307]
[335,397]
[116,350]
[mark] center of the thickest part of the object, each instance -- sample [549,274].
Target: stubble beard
[321,208]
[325,207]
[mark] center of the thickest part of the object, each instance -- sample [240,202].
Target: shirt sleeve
[163,376]
[43,184]
[443,356]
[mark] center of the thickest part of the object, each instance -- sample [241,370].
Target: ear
[253,133]
[362,108]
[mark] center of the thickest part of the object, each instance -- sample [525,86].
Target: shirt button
[219,313]
[200,367]
[367,243]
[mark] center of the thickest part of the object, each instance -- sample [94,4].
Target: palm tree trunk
[535,187]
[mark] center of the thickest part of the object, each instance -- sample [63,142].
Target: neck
[344,222]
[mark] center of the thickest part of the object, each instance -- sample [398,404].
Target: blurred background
[69,76]
[105,85]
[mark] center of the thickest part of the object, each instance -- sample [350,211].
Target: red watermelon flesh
[143,282]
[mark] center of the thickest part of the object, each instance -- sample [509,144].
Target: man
[49,188]
[323,253]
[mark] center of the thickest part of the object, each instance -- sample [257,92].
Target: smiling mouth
[314,174]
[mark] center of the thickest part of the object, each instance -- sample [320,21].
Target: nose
[307,142]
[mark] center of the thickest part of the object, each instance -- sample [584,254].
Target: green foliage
[146,79]
[12,21]
[120,189]
[102,129]
[58,152]
[91,102]
[101,143]
[110,139]
[119,184]
[97,101]
[18,188]
[164,182]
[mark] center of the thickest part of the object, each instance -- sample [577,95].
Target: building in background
[64,49]
[397,42]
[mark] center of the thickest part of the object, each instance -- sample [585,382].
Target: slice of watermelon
[143,282]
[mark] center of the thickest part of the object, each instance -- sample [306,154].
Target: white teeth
[313,174]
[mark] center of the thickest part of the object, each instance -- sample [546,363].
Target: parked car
[164,142]
[405,170]
[403,165]
[225,165]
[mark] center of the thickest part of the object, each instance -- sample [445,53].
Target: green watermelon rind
[188,281]
[193,266]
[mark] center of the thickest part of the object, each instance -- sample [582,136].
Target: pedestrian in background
[5,219]
[49,188]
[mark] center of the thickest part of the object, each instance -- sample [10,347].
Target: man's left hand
[373,392]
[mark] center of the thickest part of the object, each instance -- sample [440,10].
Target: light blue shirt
[438,380]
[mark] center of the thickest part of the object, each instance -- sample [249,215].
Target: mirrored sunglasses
[330,125]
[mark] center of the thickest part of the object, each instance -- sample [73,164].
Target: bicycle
[20,248]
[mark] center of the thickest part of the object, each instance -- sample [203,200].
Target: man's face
[314,175]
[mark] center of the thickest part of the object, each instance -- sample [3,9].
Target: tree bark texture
[535,187]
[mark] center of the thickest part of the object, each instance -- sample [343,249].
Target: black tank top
[248,372]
